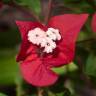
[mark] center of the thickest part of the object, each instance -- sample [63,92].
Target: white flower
[48,45]
[47,41]
[51,35]
[36,35]
[56,32]
[44,39]
[43,43]
[48,49]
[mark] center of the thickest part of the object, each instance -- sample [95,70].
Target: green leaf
[72,67]
[66,68]
[6,1]
[8,66]
[34,5]
[60,94]
[90,68]
[1,94]
[60,70]
[82,36]
[69,85]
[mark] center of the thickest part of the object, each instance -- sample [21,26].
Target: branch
[40,91]
[46,9]
[49,11]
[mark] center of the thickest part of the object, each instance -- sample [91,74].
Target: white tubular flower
[56,32]
[44,39]
[48,50]
[49,45]
[48,42]
[36,35]
[51,35]
[43,43]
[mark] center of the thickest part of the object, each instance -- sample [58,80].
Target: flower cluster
[44,39]
[37,69]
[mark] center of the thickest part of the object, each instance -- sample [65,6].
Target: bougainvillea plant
[47,46]
[93,24]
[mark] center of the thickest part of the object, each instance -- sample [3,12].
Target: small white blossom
[44,39]
[56,32]
[47,41]
[49,45]
[48,49]
[51,35]
[36,35]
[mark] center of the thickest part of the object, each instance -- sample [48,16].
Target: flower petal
[93,24]
[69,26]
[24,27]
[25,49]
[37,74]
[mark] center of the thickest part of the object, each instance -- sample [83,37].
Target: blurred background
[76,79]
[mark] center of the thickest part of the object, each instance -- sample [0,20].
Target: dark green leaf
[1,94]
[90,68]
[34,5]
[8,66]
[6,1]
[66,68]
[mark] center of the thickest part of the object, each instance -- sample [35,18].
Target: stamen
[48,44]
[47,35]
[37,35]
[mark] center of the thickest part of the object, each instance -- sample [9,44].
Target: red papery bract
[36,73]
[36,70]
[93,24]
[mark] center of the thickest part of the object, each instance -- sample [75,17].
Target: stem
[46,9]
[39,91]
[19,89]
[24,10]
[49,11]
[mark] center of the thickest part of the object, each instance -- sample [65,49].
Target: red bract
[35,68]
[93,24]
